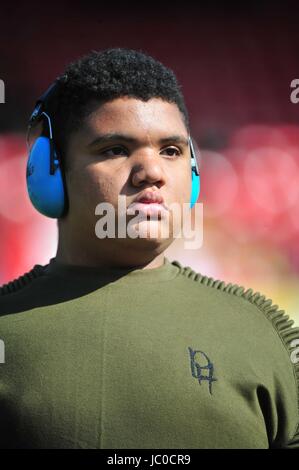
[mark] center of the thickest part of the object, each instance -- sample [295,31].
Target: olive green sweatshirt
[132,358]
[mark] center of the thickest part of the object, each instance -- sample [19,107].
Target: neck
[105,253]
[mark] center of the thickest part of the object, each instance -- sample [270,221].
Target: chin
[152,232]
[147,243]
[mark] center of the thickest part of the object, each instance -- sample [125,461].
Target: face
[124,147]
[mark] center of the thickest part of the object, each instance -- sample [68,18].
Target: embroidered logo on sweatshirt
[202,368]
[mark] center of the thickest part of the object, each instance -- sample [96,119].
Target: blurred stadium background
[235,64]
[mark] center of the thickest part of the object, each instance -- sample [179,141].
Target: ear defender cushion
[46,191]
[195,188]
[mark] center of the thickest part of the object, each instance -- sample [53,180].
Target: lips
[147,197]
[148,203]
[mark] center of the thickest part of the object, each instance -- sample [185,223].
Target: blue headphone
[44,175]
[195,185]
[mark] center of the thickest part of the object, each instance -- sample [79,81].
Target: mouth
[148,209]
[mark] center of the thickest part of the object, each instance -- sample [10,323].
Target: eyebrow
[112,137]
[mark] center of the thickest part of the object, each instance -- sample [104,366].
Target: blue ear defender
[195,182]
[44,175]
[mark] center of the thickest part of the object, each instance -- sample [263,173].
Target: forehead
[155,117]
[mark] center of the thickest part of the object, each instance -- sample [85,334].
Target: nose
[147,169]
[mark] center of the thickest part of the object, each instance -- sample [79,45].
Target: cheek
[182,186]
[92,186]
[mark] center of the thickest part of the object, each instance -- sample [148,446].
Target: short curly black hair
[102,76]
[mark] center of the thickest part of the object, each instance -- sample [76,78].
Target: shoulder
[22,281]
[22,293]
[237,295]
[248,301]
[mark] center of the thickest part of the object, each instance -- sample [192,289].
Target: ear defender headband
[44,175]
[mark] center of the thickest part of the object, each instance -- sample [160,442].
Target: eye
[172,151]
[114,151]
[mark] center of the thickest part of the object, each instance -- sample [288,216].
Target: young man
[111,345]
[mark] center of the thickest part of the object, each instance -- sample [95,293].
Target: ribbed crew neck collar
[166,271]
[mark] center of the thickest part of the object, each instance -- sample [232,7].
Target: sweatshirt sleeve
[277,355]
[280,403]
